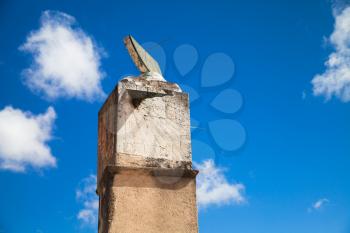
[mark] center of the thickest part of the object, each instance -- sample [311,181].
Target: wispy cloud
[66,61]
[318,205]
[335,81]
[24,138]
[214,189]
[87,196]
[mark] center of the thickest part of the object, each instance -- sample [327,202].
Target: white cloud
[24,138]
[66,61]
[86,194]
[318,205]
[335,81]
[213,188]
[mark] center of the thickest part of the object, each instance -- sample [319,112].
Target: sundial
[144,130]
[144,62]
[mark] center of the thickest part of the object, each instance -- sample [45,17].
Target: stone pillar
[145,178]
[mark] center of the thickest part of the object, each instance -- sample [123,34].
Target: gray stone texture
[145,177]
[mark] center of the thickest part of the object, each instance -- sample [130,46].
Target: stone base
[148,200]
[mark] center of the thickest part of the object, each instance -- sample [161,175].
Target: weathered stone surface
[147,201]
[145,178]
[146,120]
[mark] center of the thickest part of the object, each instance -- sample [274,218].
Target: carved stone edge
[112,170]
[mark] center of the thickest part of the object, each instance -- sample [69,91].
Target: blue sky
[278,141]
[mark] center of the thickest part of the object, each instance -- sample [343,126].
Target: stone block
[144,123]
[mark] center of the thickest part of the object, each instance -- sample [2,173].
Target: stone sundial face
[142,59]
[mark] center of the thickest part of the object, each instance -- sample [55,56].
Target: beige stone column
[145,178]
